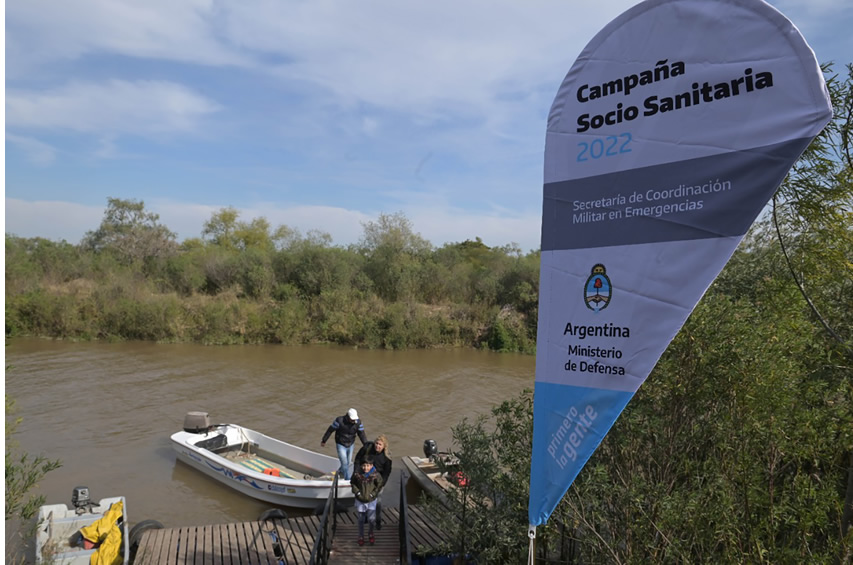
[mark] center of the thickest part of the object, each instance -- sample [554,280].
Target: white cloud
[484,60]
[140,107]
[429,58]
[51,219]
[43,31]
[369,125]
[443,225]
[37,152]
[107,148]
[423,57]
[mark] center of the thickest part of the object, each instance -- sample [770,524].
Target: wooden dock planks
[345,548]
[423,531]
[278,541]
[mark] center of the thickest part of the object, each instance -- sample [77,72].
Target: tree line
[243,281]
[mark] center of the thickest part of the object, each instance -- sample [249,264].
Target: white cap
[353,415]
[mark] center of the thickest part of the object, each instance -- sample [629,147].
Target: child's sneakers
[372,540]
[360,541]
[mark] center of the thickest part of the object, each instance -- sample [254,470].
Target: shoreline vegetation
[245,283]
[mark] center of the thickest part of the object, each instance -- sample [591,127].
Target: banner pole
[531,548]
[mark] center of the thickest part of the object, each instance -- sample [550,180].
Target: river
[106,410]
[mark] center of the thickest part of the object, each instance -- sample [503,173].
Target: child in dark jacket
[366,484]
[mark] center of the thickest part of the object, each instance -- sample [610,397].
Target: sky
[315,114]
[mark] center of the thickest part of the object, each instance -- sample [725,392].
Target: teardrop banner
[666,139]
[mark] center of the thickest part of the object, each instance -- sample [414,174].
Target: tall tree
[132,232]
[812,217]
[221,226]
[226,230]
[813,221]
[394,253]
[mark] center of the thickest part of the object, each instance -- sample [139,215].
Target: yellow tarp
[106,532]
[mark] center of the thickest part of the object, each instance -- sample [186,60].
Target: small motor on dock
[197,422]
[430,448]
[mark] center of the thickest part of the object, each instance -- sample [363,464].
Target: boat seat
[212,444]
[260,465]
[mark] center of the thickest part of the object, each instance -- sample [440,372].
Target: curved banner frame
[666,139]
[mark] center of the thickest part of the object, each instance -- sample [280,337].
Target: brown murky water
[107,410]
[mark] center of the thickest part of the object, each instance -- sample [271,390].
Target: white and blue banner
[666,139]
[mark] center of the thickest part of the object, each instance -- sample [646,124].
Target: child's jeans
[366,511]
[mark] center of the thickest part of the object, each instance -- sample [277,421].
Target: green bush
[508,332]
[287,322]
[40,312]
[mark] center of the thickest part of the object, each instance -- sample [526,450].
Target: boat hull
[309,490]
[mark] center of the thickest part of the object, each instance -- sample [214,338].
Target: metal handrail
[326,531]
[403,528]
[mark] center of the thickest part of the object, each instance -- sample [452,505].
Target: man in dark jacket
[381,456]
[346,427]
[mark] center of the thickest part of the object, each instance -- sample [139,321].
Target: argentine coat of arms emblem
[597,290]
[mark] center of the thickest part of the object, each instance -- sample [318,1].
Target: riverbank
[82,310]
[383,295]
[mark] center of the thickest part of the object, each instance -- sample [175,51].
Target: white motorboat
[58,538]
[257,465]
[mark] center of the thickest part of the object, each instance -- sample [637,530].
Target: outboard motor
[197,422]
[430,449]
[80,499]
